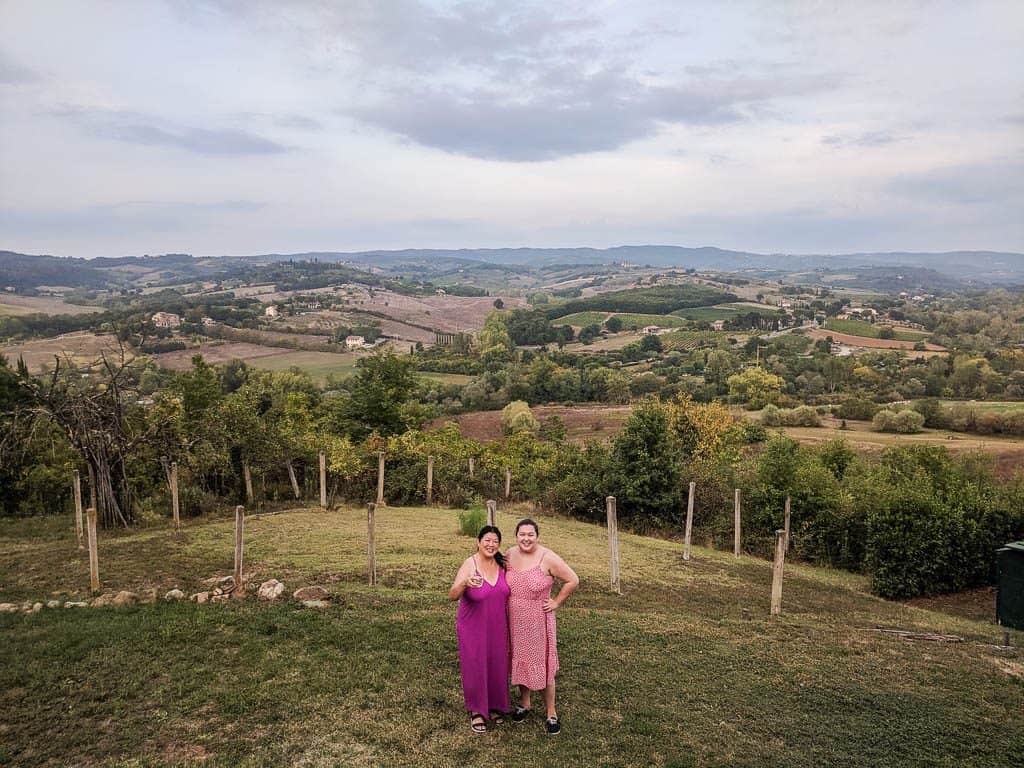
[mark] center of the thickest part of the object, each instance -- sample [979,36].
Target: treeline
[656,300]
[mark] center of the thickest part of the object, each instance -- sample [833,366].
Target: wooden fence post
[508,482]
[613,544]
[785,524]
[94,556]
[371,542]
[323,480]
[239,530]
[777,568]
[294,480]
[430,479]
[92,488]
[472,466]
[79,521]
[492,511]
[689,521]
[736,533]
[247,474]
[175,508]
[380,479]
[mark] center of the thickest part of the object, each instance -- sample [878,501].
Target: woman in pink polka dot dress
[532,570]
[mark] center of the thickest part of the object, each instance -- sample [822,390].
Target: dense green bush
[804,416]
[472,520]
[903,422]
[857,409]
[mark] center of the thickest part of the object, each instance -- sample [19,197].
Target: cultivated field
[685,668]
[11,304]
[869,343]
[871,330]
[581,422]
[81,347]
[630,320]
[725,311]
[220,352]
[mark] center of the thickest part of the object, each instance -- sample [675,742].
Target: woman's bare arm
[558,568]
[461,579]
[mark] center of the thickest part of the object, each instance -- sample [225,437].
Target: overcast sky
[218,127]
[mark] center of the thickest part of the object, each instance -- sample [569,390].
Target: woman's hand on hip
[550,605]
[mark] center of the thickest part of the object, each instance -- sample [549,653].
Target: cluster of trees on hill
[656,300]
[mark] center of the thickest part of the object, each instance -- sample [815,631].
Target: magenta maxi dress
[482,627]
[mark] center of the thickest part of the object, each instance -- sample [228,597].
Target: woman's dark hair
[499,558]
[527,521]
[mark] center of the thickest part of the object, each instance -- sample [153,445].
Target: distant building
[271,312]
[355,342]
[651,330]
[208,321]
[717,325]
[166,320]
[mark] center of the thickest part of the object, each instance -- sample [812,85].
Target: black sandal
[498,718]
[477,723]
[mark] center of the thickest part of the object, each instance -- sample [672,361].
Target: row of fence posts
[778,564]
[782,536]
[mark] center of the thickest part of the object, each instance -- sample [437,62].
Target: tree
[613,324]
[755,387]
[499,304]
[516,417]
[589,333]
[647,468]
[382,385]
[494,341]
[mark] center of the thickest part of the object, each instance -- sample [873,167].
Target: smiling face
[488,545]
[526,538]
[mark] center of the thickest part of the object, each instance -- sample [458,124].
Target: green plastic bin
[1010,594]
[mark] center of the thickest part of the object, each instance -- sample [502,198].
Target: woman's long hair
[498,556]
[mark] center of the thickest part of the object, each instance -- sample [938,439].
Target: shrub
[903,422]
[516,417]
[472,520]
[857,409]
[804,416]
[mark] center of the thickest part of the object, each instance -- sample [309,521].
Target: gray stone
[53,603]
[125,597]
[148,595]
[271,590]
[201,597]
[37,607]
[76,604]
[310,593]
[8,608]
[315,604]
[175,594]
[107,598]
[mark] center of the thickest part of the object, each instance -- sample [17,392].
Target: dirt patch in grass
[976,604]
[81,347]
[582,422]
[214,352]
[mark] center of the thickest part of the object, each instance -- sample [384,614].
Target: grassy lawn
[445,378]
[317,364]
[871,331]
[685,668]
[582,319]
[986,405]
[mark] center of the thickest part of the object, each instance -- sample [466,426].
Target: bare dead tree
[93,405]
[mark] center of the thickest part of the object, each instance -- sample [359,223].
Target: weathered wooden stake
[239,530]
[777,568]
[92,488]
[736,534]
[472,466]
[323,480]
[247,474]
[79,521]
[613,544]
[380,478]
[371,542]
[94,557]
[430,479]
[175,509]
[508,482]
[294,480]
[785,524]
[689,521]
[492,511]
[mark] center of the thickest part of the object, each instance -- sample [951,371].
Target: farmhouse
[355,342]
[717,325]
[651,330]
[271,312]
[166,320]
[208,321]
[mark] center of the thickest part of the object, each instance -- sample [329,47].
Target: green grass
[986,405]
[869,330]
[319,365]
[689,340]
[446,378]
[630,320]
[13,309]
[685,668]
[723,312]
[582,319]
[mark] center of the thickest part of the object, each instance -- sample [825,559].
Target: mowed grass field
[870,330]
[630,320]
[724,311]
[685,668]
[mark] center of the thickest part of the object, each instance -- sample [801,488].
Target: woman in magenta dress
[532,570]
[482,627]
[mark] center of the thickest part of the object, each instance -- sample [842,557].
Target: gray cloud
[132,128]
[998,183]
[866,139]
[13,73]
